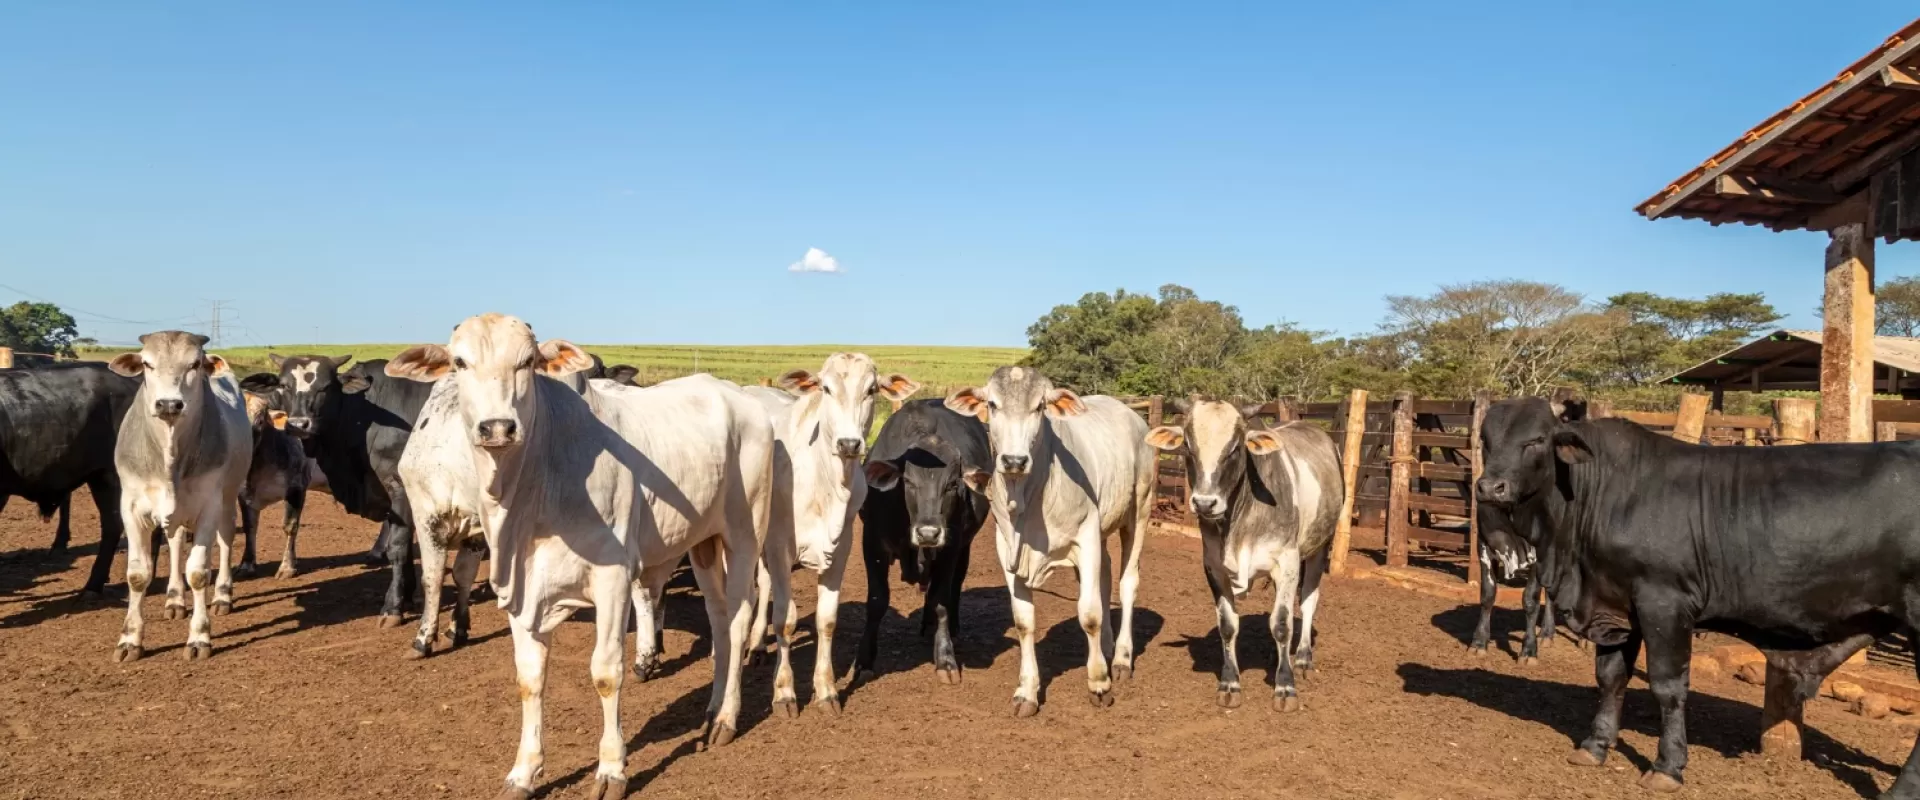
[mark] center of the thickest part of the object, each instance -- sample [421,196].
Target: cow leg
[223,547]
[776,608]
[466,564]
[63,530]
[377,555]
[649,619]
[1026,696]
[200,628]
[1286,588]
[296,506]
[826,620]
[757,644]
[1094,579]
[1132,541]
[1530,613]
[105,489]
[1669,640]
[433,567]
[139,577]
[1907,786]
[1548,620]
[400,580]
[1612,667]
[1483,631]
[530,668]
[176,574]
[879,599]
[609,646]
[249,522]
[1316,568]
[948,574]
[1229,693]
[728,587]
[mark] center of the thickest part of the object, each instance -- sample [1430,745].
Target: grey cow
[1268,501]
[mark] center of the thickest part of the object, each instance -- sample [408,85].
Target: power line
[74,309]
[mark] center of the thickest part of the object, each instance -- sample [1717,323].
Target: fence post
[1481,399]
[1793,420]
[1886,432]
[1402,478]
[1690,425]
[1156,413]
[6,358]
[1350,478]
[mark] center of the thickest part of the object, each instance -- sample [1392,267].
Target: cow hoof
[389,621]
[1228,699]
[866,675]
[1024,708]
[197,652]
[789,708]
[1121,672]
[176,612]
[721,737]
[1581,757]
[92,596]
[419,650]
[245,569]
[608,788]
[948,675]
[829,704]
[286,572]
[220,608]
[128,653]
[1101,699]
[457,639]
[1528,661]
[514,793]
[1477,651]
[1286,703]
[1659,782]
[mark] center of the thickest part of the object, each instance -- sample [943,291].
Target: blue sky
[633,173]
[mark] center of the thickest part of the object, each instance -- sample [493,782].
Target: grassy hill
[937,368]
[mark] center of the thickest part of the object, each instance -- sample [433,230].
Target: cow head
[173,367]
[1217,443]
[841,396]
[934,482]
[1017,401]
[1517,446]
[493,359]
[308,388]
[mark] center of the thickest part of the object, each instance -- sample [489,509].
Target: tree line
[1513,337]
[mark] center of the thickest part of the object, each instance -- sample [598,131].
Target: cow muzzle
[1209,506]
[1494,490]
[497,433]
[1015,465]
[848,448]
[300,426]
[929,536]
[170,409]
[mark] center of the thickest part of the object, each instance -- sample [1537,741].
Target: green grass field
[936,368]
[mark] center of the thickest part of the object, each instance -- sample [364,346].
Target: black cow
[1510,537]
[1809,553]
[355,424]
[925,477]
[58,425]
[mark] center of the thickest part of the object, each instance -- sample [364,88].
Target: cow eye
[459,363]
[993,406]
[827,389]
[874,389]
[1533,443]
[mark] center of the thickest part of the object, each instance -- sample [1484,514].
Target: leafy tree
[37,328]
[1897,307]
[1515,337]
[1096,343]
[1658,336]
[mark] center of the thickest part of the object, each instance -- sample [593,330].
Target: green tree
[1095,343]
[1658,336]
[1896,307]
[38,328]
[1511,336]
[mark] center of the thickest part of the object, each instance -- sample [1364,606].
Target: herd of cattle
[580,489]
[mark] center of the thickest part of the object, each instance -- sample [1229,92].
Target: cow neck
[181,443]
[803,430]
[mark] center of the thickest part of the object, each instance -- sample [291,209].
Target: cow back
[58,424]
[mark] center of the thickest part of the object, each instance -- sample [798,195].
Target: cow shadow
[1255,647]
[902,647]
[1064,647]
[1505,630]
[1728,727]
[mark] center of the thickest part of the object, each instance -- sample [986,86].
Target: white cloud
[816,260]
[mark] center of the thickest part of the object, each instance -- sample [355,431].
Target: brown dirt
[305,697]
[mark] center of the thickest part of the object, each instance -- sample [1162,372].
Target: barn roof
[1788,359]
[1812,154]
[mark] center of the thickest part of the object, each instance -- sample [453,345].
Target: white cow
[1069,472]
[182,455]
[443,492]
[820,423]
[576,492]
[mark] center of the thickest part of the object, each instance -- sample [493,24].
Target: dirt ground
[305,697]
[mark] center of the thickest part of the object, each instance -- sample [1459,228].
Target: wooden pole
[6,358]
[1481,399]
[1349,478]
[1690,425]
[1719,400]
[1402,474]
[1846,342]
[1156,411]
[1793,419]
[1781,716]
[1886,432]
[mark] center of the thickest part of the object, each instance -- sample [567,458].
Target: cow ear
[1251,410]
[977,479]
[560,357]
[1178,405]
[216,365]
[276,360]
[1572,411]
[279,419]
[128,364]
[898,388]
[1166,437]
[1062,403]
[799,383]
[260,382]
[1261,443]
[882,475]
[968,402]
[622,373]
[354,384]
[1570,447]
[341,361]
[426,363]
